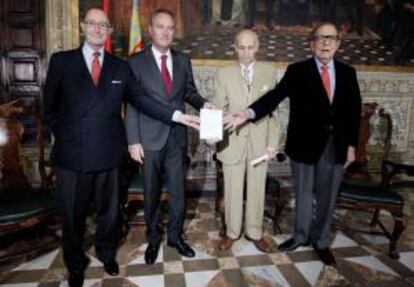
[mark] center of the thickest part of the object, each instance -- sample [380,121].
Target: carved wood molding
[62,25]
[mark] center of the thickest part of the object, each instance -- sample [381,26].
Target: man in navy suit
[165,75]
[325,107]
[83,95]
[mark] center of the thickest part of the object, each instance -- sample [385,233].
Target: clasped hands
[231,122]
[193,121]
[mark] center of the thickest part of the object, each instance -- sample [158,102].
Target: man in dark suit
[325,107]
[83,96]
[166,75]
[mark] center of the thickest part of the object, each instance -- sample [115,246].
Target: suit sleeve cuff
[176,116]
[252,114]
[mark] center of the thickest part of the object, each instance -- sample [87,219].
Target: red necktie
[166,78]
[96,68]
[326,80]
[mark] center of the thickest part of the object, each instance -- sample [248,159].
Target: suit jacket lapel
[102,90]
[83,68]
[240,79]
[257,74]
[155,71]
[176,72]
[84,79]
[318,82]
[338,81]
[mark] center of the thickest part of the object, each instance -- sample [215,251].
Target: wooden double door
[22,55]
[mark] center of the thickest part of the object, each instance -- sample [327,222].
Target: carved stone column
[62,25]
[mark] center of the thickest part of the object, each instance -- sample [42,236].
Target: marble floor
[362,259]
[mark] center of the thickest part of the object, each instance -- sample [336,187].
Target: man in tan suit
[237,86]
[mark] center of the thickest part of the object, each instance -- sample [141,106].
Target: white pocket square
[264,88]
[116,82]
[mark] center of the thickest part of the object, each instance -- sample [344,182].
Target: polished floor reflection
[362,259]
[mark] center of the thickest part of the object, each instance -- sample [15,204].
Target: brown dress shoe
[261,244]
[226,243]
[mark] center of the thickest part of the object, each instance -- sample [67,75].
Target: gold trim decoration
[74,9]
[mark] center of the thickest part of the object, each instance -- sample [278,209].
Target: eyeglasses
[328,38]
[101,25]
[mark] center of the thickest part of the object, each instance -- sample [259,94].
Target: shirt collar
[248,67]
[88,52]
[330,65]
[157,54]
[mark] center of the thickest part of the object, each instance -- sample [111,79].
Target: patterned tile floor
[362,259]
[286,44]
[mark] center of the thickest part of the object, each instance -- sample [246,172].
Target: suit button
[329,128]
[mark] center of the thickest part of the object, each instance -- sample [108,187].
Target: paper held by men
[211,124]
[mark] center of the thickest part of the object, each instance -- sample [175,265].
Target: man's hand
[350,156]
[190,121]
[210,106]
[231,122]
[271,153]
[137,152]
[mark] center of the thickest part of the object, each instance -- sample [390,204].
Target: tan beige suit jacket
[232,95]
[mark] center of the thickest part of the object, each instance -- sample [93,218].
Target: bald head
[246,34]
[246,44]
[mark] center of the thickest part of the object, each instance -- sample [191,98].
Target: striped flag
[136,42]
[105,8]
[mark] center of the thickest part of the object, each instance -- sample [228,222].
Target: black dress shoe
[151,253]
[76,278]
[182,247]
[326,256]
[290,245]
[111,267]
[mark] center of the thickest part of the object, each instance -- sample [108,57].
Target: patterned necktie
[246,73]
[166,78]
[326,81]
[96,68]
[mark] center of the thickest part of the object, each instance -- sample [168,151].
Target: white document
[258,160]
[211,124]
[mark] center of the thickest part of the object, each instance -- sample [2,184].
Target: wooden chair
[23,207]
[359,191]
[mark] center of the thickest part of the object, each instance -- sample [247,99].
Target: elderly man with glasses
[325,107]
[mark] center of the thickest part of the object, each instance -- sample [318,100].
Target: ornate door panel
[22,49]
